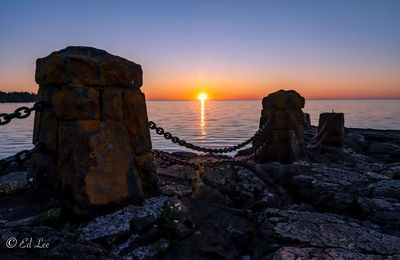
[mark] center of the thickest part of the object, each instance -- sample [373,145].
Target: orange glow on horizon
[229,86]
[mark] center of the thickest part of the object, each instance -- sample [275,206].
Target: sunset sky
[228,49]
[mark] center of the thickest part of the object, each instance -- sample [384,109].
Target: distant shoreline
[17,97]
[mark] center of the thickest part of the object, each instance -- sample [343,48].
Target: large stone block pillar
[286,134]
[334,128]
[95,131]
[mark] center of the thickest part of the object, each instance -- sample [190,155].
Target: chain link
[21,112]
[21,156]
[320,136]
[177,140]
[319,133]
[316,145]
[242,161]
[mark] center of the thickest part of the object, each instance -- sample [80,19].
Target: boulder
[95,131]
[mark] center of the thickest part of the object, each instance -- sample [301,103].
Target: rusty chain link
[177,140]
[21,156]
[21,112]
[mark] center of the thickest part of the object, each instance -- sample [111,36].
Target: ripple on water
[226,122]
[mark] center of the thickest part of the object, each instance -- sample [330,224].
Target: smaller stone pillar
[307,121]
[95,131]
[286,134]
[334,128]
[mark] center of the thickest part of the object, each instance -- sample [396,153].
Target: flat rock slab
[287,253]
[327,231]
[119,222]
[61,245]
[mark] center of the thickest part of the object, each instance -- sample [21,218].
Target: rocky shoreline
[338,203]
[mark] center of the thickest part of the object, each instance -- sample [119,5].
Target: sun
[202,96]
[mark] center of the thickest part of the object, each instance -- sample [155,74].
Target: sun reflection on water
[202,98]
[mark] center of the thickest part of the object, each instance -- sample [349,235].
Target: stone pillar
[96,131]
[334,128]
[307,121]
[286,134]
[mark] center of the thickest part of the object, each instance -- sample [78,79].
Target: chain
[21,112]
[169,157]
[242,161]
[320,137]
[21,156]
[314,146]
[322,131]
[177,140]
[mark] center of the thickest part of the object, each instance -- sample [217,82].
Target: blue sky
[231,49]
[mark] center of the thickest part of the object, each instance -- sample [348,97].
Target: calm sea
[224,123]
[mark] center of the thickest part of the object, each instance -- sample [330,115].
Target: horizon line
[238,99]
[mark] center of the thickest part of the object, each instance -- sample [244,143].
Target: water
[225,123]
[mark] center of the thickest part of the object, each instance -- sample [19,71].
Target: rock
[137,241]
[334,128]
[95,131]
[338,157]
[367,196]
[78,251]
[50,215]
[382,211]
[55,244]
[222,234]
[176,180]
[245,152]
[385,148]
[11,182]
[286,253]
[355,140]
[150,251]
[340,235]
[121,222]
[185,155]
[286,134]
[307,121]
[244,188]
[385,188]
[325,188]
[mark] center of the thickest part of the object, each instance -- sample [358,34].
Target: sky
[228,49]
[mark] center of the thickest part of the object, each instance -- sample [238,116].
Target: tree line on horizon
[15,96]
